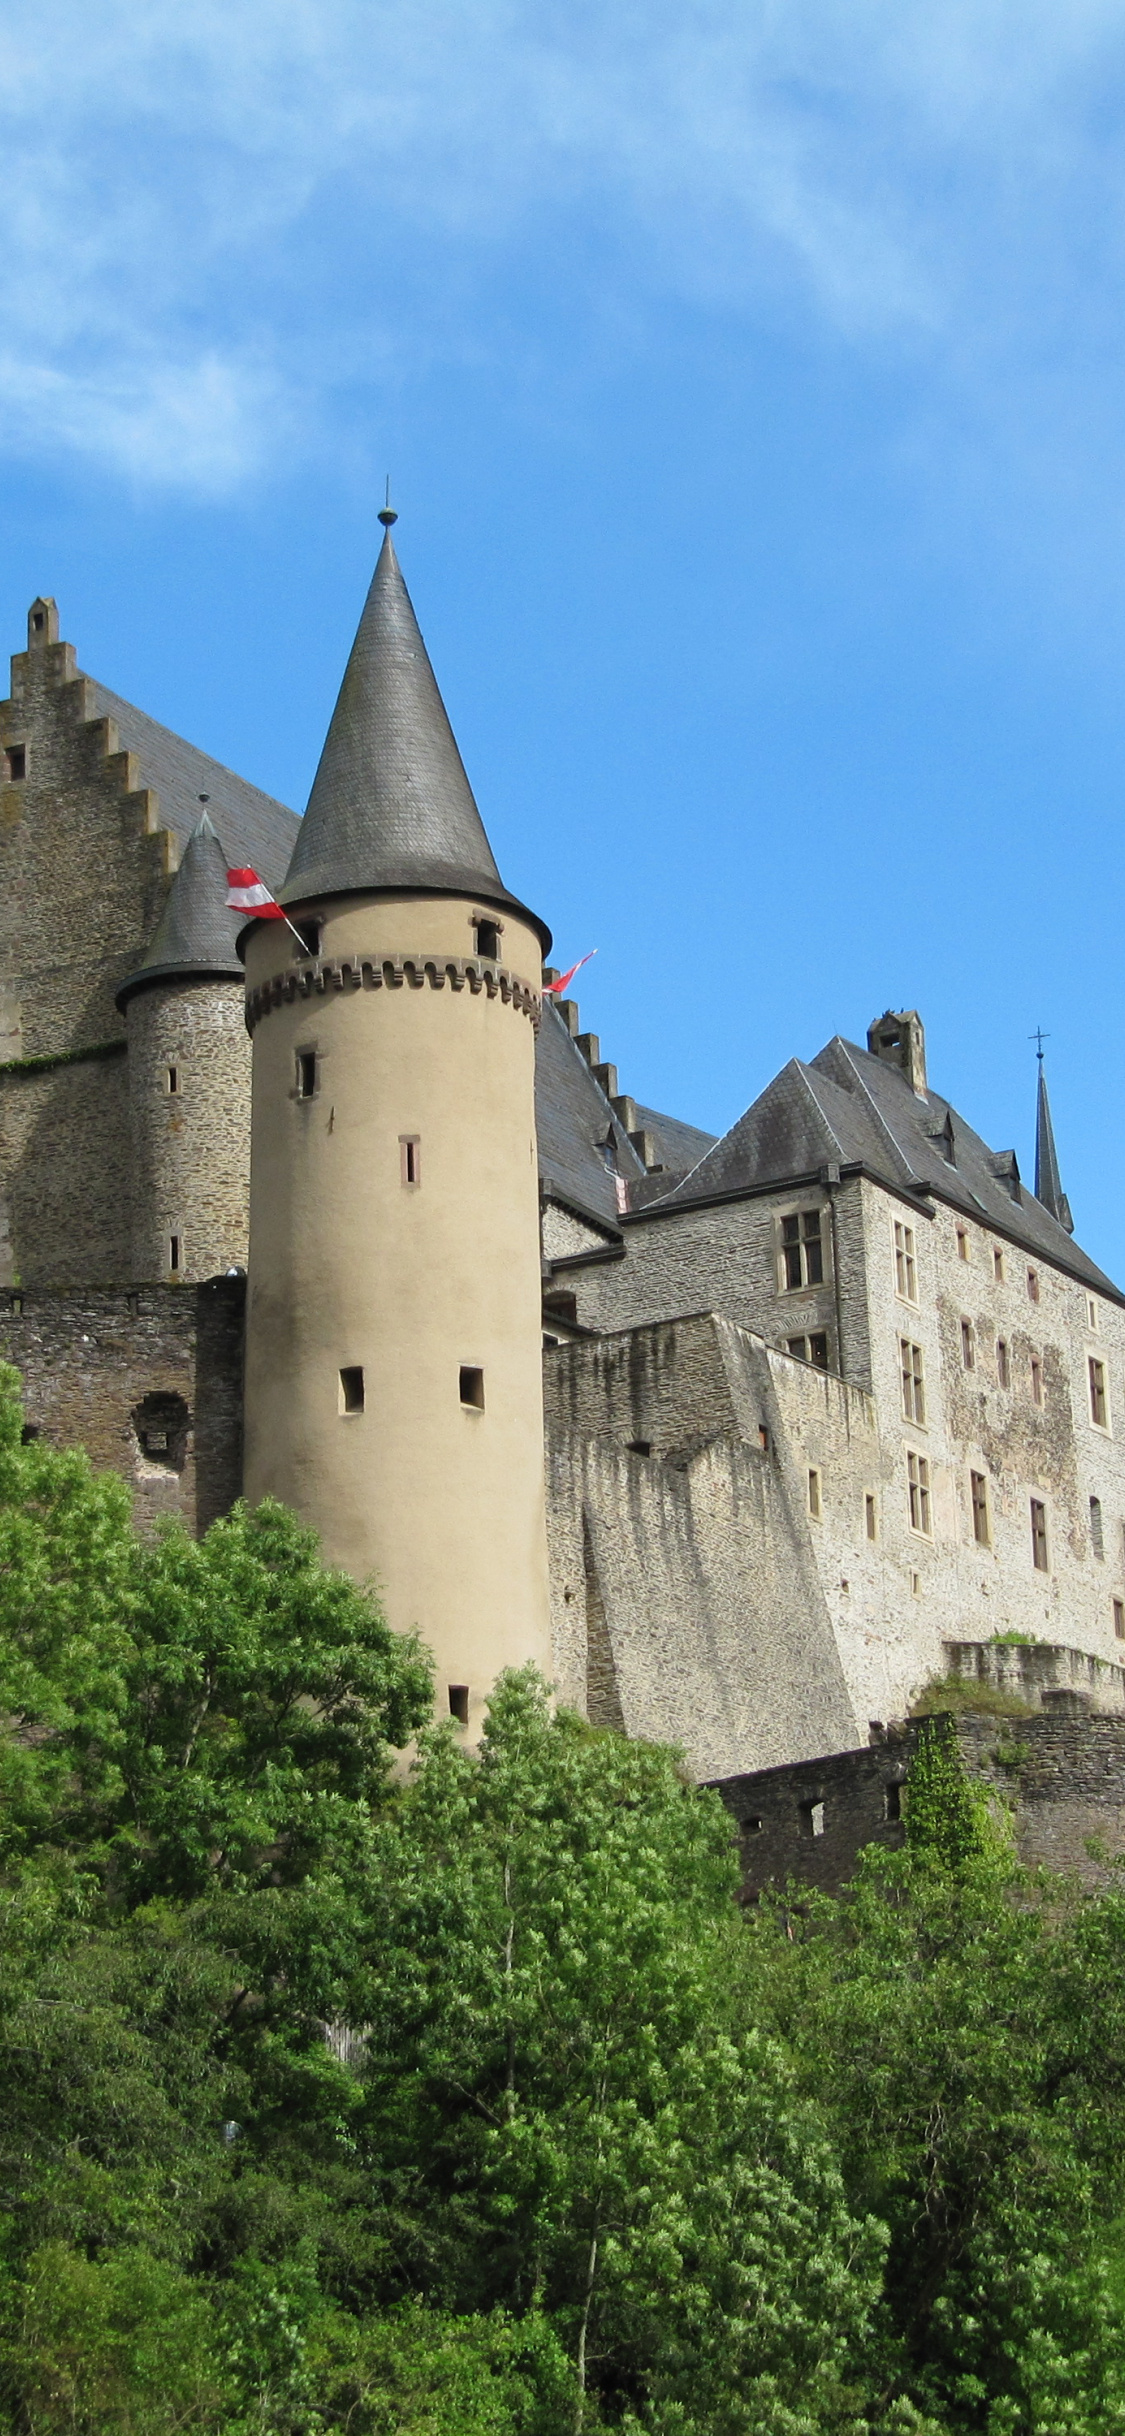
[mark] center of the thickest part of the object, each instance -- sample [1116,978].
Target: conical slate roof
[197,931]
[1048,1182]
[391,806]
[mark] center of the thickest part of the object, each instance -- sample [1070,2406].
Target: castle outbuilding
[743,1441]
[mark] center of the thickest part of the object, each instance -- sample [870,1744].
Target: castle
[742,1441]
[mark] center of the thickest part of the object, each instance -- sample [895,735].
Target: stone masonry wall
[65,1173]
[148,1380]
[191,1147]
[1062,1776]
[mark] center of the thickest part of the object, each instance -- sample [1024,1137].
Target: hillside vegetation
[473,2105]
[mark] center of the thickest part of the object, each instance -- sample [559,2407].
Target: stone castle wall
[1061,1775]
[147,1379]
[65,1172]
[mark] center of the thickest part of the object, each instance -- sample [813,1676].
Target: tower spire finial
[387,514]
[1048,1182]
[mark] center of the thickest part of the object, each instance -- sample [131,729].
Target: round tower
[189,1079]
[393,1359]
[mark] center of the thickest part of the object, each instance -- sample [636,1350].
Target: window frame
[1097,1379]
[1040,1542]
[905,1248]
[806,1241]
[912,1379]
[980,1508]
[919,1495]
[968,1345]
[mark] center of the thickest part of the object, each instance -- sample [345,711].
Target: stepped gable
[853,1109]
[257,829]
[391,806]
[196,936]
[574,1121]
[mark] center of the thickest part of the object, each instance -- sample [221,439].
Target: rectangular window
[978,1490]
[918,1493]
[906,1271]
[812,1818]
[892,1801]
[16,762]
[1097,1536]
[306,1074]
[472,1387]
[1119,1618]
[410,1155]
[173,1080]
[962,1243]
[871,1514]
[1091,1312]
[968,1346]
[814,1495]
[1039,1535]
[174,1251]
[1036,1379]
[1001,1362]
[308,937]
[913,1381]
[802,1255]
[1099,1402]
[487,935]
[459,1702]
[997,1264]
[351,1389]
[1033,1285]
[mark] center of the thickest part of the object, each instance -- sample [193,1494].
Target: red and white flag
[554,989]
[249,895]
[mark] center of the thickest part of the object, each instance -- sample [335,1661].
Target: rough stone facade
[1061,1775]
[147,1379]
[189,1094]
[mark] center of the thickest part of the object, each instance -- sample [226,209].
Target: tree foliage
[469,2103]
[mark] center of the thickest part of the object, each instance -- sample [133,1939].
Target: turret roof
[197,931]
[391,806]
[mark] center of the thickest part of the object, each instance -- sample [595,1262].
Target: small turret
[393,1354]
[189,1078]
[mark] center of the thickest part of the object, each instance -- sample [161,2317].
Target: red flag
[249,895]
[554,989]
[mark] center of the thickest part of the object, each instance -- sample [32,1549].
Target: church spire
[1048,1182]
[391,806]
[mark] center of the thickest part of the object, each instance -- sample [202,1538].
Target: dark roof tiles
[197,931]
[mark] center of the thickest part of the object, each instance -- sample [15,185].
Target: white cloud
[183,179]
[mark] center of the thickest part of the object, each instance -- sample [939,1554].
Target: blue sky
[752,382]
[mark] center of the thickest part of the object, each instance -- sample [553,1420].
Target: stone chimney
[900,1041]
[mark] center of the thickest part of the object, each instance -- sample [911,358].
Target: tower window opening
[472,1386]
[16,759]
[1033,1285]
[640,1446]
[1119,1618]
[308,934]
[175,1253]
[871,1516]
[1001,1362]
[1036,1380]
[1099,1400]
[459,1702]
[1097,1535]
[962,1243]
[173,1075]
[1039,1536]
[487,936]
[351,1388]
[812,1818]
[978,1489]
[892,1801]
[814,1495]
[410,1153]
[968,1345]
[306,1074]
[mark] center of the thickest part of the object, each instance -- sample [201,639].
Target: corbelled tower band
[393,1383]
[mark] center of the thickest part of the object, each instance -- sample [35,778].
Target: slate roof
[681,1146]
[852,1109]
[254,827]
[197,931]
[574,1118]
[391,806]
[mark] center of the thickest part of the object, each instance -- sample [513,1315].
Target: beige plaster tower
[393,1390]
[189,1069]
